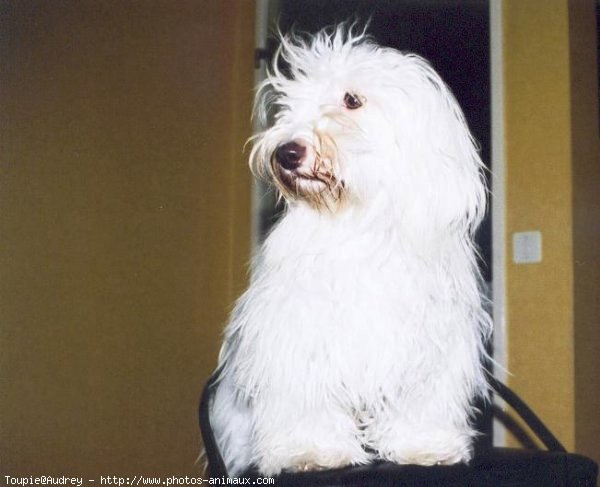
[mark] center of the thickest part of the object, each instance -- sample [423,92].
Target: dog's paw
[434,447]
[307,466]
[420,456]
[312,459]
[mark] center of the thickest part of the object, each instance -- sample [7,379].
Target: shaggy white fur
[362,333]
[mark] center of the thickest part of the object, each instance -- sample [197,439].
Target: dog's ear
[445,155]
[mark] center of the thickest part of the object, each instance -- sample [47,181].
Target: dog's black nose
[290,155]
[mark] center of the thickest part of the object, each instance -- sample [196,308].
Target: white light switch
[527,247]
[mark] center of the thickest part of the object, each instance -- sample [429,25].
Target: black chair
[490,467]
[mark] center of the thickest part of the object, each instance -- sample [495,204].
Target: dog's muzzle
[307,171]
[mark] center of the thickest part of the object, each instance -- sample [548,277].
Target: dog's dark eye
[352,102]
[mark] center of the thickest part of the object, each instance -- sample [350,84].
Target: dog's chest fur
[343,302]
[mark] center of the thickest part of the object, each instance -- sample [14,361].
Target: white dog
[362,333]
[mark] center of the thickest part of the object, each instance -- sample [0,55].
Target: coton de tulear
[362,333]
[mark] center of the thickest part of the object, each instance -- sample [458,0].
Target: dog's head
[354,122]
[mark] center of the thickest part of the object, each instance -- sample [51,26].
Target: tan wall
[552,176]
[124,226]
[585,154]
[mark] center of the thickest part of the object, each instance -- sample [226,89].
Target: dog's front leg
[427,425]
[298,434]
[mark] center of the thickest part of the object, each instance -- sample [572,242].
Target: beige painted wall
[124,226]
[585,154]
[552,176]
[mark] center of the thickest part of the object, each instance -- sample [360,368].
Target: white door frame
[498,202]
